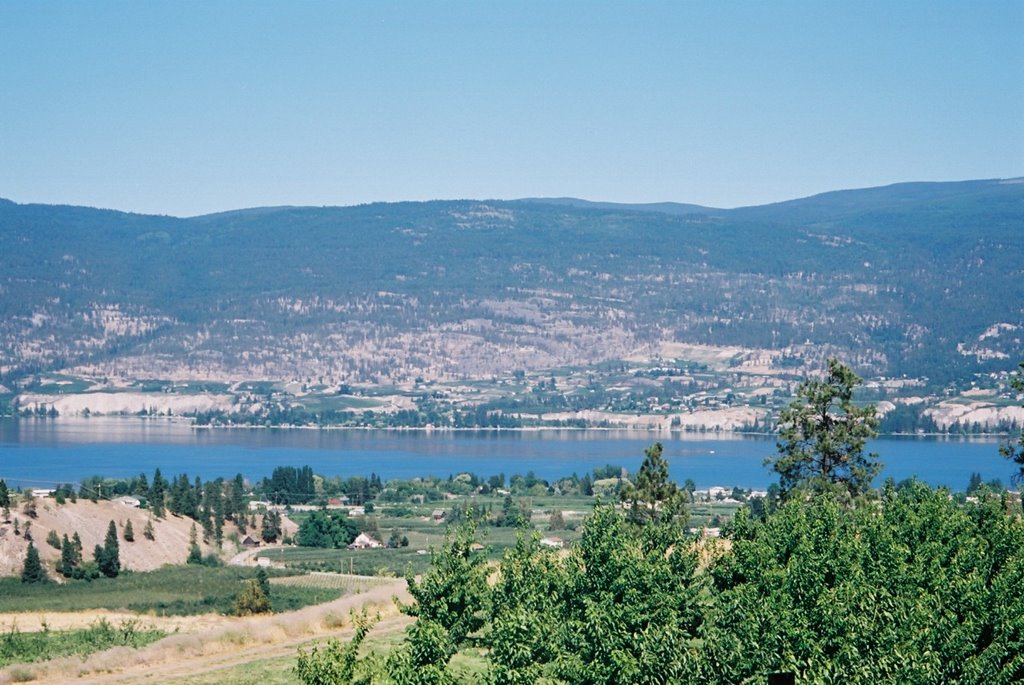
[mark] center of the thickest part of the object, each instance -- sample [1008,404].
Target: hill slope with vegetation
[922,280]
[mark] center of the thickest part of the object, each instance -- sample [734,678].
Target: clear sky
[189,107]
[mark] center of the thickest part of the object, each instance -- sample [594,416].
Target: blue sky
[191,107]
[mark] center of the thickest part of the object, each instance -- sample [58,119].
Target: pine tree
[208,495]
[237,505]
[219,512]
[148,531]
[822,436]
[195,555]
[264,581]
[129,532]
[5,495]
[33,571]
[76,541]
[156,494]
[108,557]
[68,562]
[271,526]
[654,498]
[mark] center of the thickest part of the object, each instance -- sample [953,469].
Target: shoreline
[188,422]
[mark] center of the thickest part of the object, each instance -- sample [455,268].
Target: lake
[42,452]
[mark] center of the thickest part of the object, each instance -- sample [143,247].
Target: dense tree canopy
[911,586]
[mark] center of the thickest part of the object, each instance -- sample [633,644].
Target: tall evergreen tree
[219,513]
[271,529]
[76,541]
[67,564]
[141,486]
[654,497]
[108,557]
[157,493]
[195,555]
[206,507]
[33,571]
[822,436]
[237,505]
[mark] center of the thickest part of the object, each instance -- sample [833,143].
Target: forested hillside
[916,279]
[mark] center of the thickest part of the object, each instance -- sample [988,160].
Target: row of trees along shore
[838,583]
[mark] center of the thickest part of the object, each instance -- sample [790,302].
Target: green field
[169,591]
[424,533]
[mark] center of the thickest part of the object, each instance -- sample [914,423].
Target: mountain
[673,208]
[921,279]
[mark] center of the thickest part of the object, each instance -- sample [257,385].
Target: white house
[364,541]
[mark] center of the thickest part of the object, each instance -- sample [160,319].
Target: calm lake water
[44,452]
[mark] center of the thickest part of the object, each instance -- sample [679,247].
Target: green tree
[237,501]
[68,561]
[333,663]
[5,495]
[327,529]
[251,600]
[129,532]
[108,557]
[271,528]
[450,604]
[631,605]
[823,434]
[524,608]
[653,497]
[264,581]
[912,588]
[33,571]
[148,531]
[157,494]
[195,555]
[1014,450]
[423,659]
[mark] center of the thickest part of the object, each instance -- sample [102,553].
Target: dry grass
[231,642]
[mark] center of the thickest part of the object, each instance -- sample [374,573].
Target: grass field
[169,591]
[19,647]
[469,664]
[424,533]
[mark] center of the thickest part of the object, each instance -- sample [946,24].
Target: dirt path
[221,645]
[180,669]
